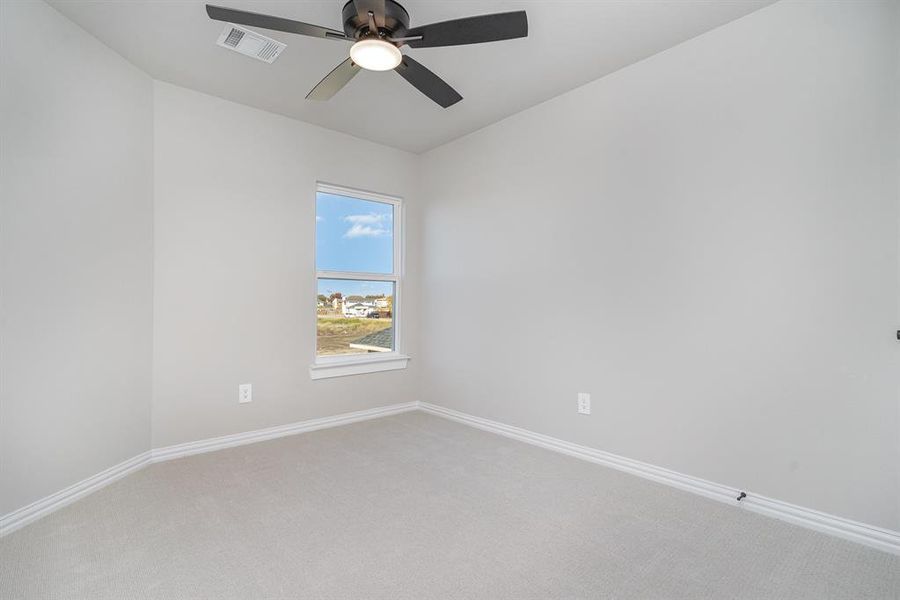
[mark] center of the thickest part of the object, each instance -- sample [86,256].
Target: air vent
[249,43]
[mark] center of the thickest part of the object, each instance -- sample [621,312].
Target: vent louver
[234,36]
[249,43]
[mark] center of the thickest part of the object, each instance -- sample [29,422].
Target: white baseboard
[862,533]
[875,537]
[43,507]
[40,508]
[259,435]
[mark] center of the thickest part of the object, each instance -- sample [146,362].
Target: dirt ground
[334,335]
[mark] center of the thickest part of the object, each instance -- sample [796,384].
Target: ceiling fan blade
[332,83]
[427,82]
[470,30]
[251,19]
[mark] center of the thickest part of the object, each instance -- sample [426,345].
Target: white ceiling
[570,43]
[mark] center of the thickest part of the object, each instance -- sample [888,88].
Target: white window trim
[356,365]
[339,365]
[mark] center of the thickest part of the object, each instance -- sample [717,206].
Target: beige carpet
[414,506]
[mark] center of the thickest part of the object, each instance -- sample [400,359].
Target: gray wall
[76,255]
[706,241]
[235,272]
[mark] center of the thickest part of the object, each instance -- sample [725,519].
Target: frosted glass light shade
[375,55]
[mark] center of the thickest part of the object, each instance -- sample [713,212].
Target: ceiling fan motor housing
[396,20]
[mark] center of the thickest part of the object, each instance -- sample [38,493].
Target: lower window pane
[354,317]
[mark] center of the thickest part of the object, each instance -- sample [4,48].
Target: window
[358,282]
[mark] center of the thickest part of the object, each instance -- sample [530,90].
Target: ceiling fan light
[375,55]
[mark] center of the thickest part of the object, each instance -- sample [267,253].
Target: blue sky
[353,235]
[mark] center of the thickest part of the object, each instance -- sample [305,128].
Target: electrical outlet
[584,403]
[245,393]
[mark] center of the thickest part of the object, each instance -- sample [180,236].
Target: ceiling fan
[379,28]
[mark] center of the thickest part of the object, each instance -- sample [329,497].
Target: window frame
[364,362]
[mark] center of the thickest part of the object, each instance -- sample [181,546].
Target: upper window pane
[354,235]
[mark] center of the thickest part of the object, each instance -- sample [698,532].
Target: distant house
[382,303]
[380,341]
[358,309]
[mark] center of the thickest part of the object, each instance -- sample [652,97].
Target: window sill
[357,365]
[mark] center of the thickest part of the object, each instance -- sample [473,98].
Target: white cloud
[370,225]
[369,219]
[319,219]
[359,230]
